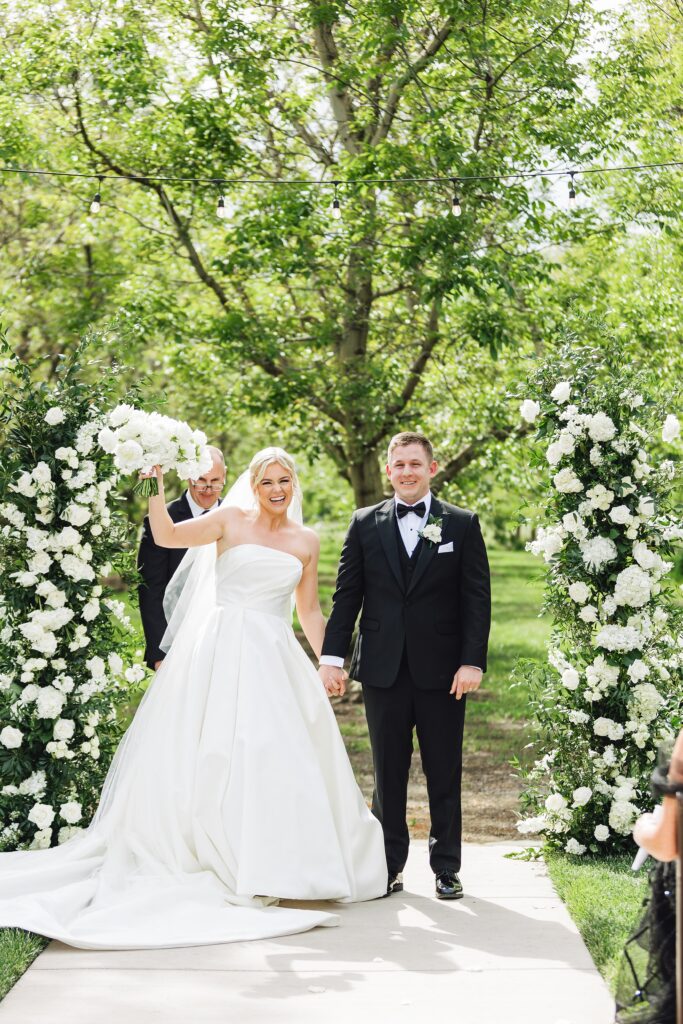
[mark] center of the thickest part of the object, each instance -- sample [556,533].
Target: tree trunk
[366,479]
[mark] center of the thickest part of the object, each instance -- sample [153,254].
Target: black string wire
[324,183]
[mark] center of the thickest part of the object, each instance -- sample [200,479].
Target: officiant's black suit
[156,566]
[422,617]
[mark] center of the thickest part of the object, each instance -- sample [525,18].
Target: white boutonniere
[432,531]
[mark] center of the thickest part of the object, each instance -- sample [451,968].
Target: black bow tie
[403,510]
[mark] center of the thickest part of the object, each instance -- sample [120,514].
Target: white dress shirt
[409,527]
[196,509]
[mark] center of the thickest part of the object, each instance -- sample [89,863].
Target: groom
[416,569]
[156,565]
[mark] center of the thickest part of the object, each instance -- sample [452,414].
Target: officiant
[156,565]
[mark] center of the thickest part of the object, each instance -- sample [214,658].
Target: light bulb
[336,208]
[220,209]
[96,204]
[456,209]
[572,192]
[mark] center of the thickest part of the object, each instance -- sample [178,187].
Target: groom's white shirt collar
[196,509]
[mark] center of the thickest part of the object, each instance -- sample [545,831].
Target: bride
[231,789]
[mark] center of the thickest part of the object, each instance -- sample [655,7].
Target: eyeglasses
[205,488]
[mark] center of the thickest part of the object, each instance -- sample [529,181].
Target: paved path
[506,954]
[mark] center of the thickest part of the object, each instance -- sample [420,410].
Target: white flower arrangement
[57,533]
[610,687]
[139,440]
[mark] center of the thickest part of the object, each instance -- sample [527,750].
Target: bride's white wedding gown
[231,789]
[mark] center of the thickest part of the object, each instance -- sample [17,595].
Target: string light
[456,209]
[96,204]
[572,191]
[220,209]
[336,205]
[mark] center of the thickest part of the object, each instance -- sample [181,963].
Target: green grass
[604,897]
[18,950]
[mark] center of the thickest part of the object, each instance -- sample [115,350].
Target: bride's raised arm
[191,533]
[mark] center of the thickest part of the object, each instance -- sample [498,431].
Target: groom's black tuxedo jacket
[436,605]
[156,566]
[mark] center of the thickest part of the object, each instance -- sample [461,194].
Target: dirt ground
[490,790]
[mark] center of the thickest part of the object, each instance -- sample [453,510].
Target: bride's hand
[154,471]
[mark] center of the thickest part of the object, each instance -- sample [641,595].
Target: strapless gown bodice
[230,790]
[257,578]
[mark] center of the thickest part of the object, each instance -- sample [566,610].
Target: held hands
[466,680]
[333,679]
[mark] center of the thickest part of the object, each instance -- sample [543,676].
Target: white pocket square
[445,547]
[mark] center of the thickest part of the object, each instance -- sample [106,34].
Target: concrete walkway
[507,953]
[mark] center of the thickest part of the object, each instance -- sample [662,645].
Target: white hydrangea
[646,702]
[633,587]
[671,429]
[574,847]
[619,638]
[561,392]
[115,664]
[570,679]
[67,832]
[49,702]
[601,427]
[606,727]
[555,803]
[532,826]
[548,542]
[54,416]
[577,717]
[600,497]
[646,507]
[595,455]
[637,670]
[598,552]
[589,613]
[622,816]
[34,785]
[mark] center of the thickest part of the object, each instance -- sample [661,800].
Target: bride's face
[276,490]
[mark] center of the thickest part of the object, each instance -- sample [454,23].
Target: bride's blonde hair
[266,457]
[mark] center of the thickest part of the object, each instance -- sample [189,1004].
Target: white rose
[581,796]
[529,410]
[554,453]
[11,738]
[566,482]
[646,507]
[620,514]
[76,514]
[561,392]
[570,678]
[671,429]
[63,729]
[129,457]
[555,802]
[579,592]
[41,474]
[67,833]
[601,833]
[96,667]
[589,613]
[71,812]
[54,416]
[134,674]
[41,840]
[41,815]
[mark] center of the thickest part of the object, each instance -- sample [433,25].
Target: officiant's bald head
[207,489]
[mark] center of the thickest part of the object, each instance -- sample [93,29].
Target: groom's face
[410,472]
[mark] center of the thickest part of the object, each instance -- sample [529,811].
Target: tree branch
[471,451]
[398,87]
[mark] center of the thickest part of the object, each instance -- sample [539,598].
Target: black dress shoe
[395,884]
[448,886]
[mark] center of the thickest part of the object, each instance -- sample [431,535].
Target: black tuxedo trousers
[156,566]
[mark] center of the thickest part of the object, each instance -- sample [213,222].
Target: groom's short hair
[410,437]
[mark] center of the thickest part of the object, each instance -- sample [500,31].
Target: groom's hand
[334,680]
[465,680]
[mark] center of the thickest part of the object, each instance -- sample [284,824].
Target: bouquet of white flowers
[141,440]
